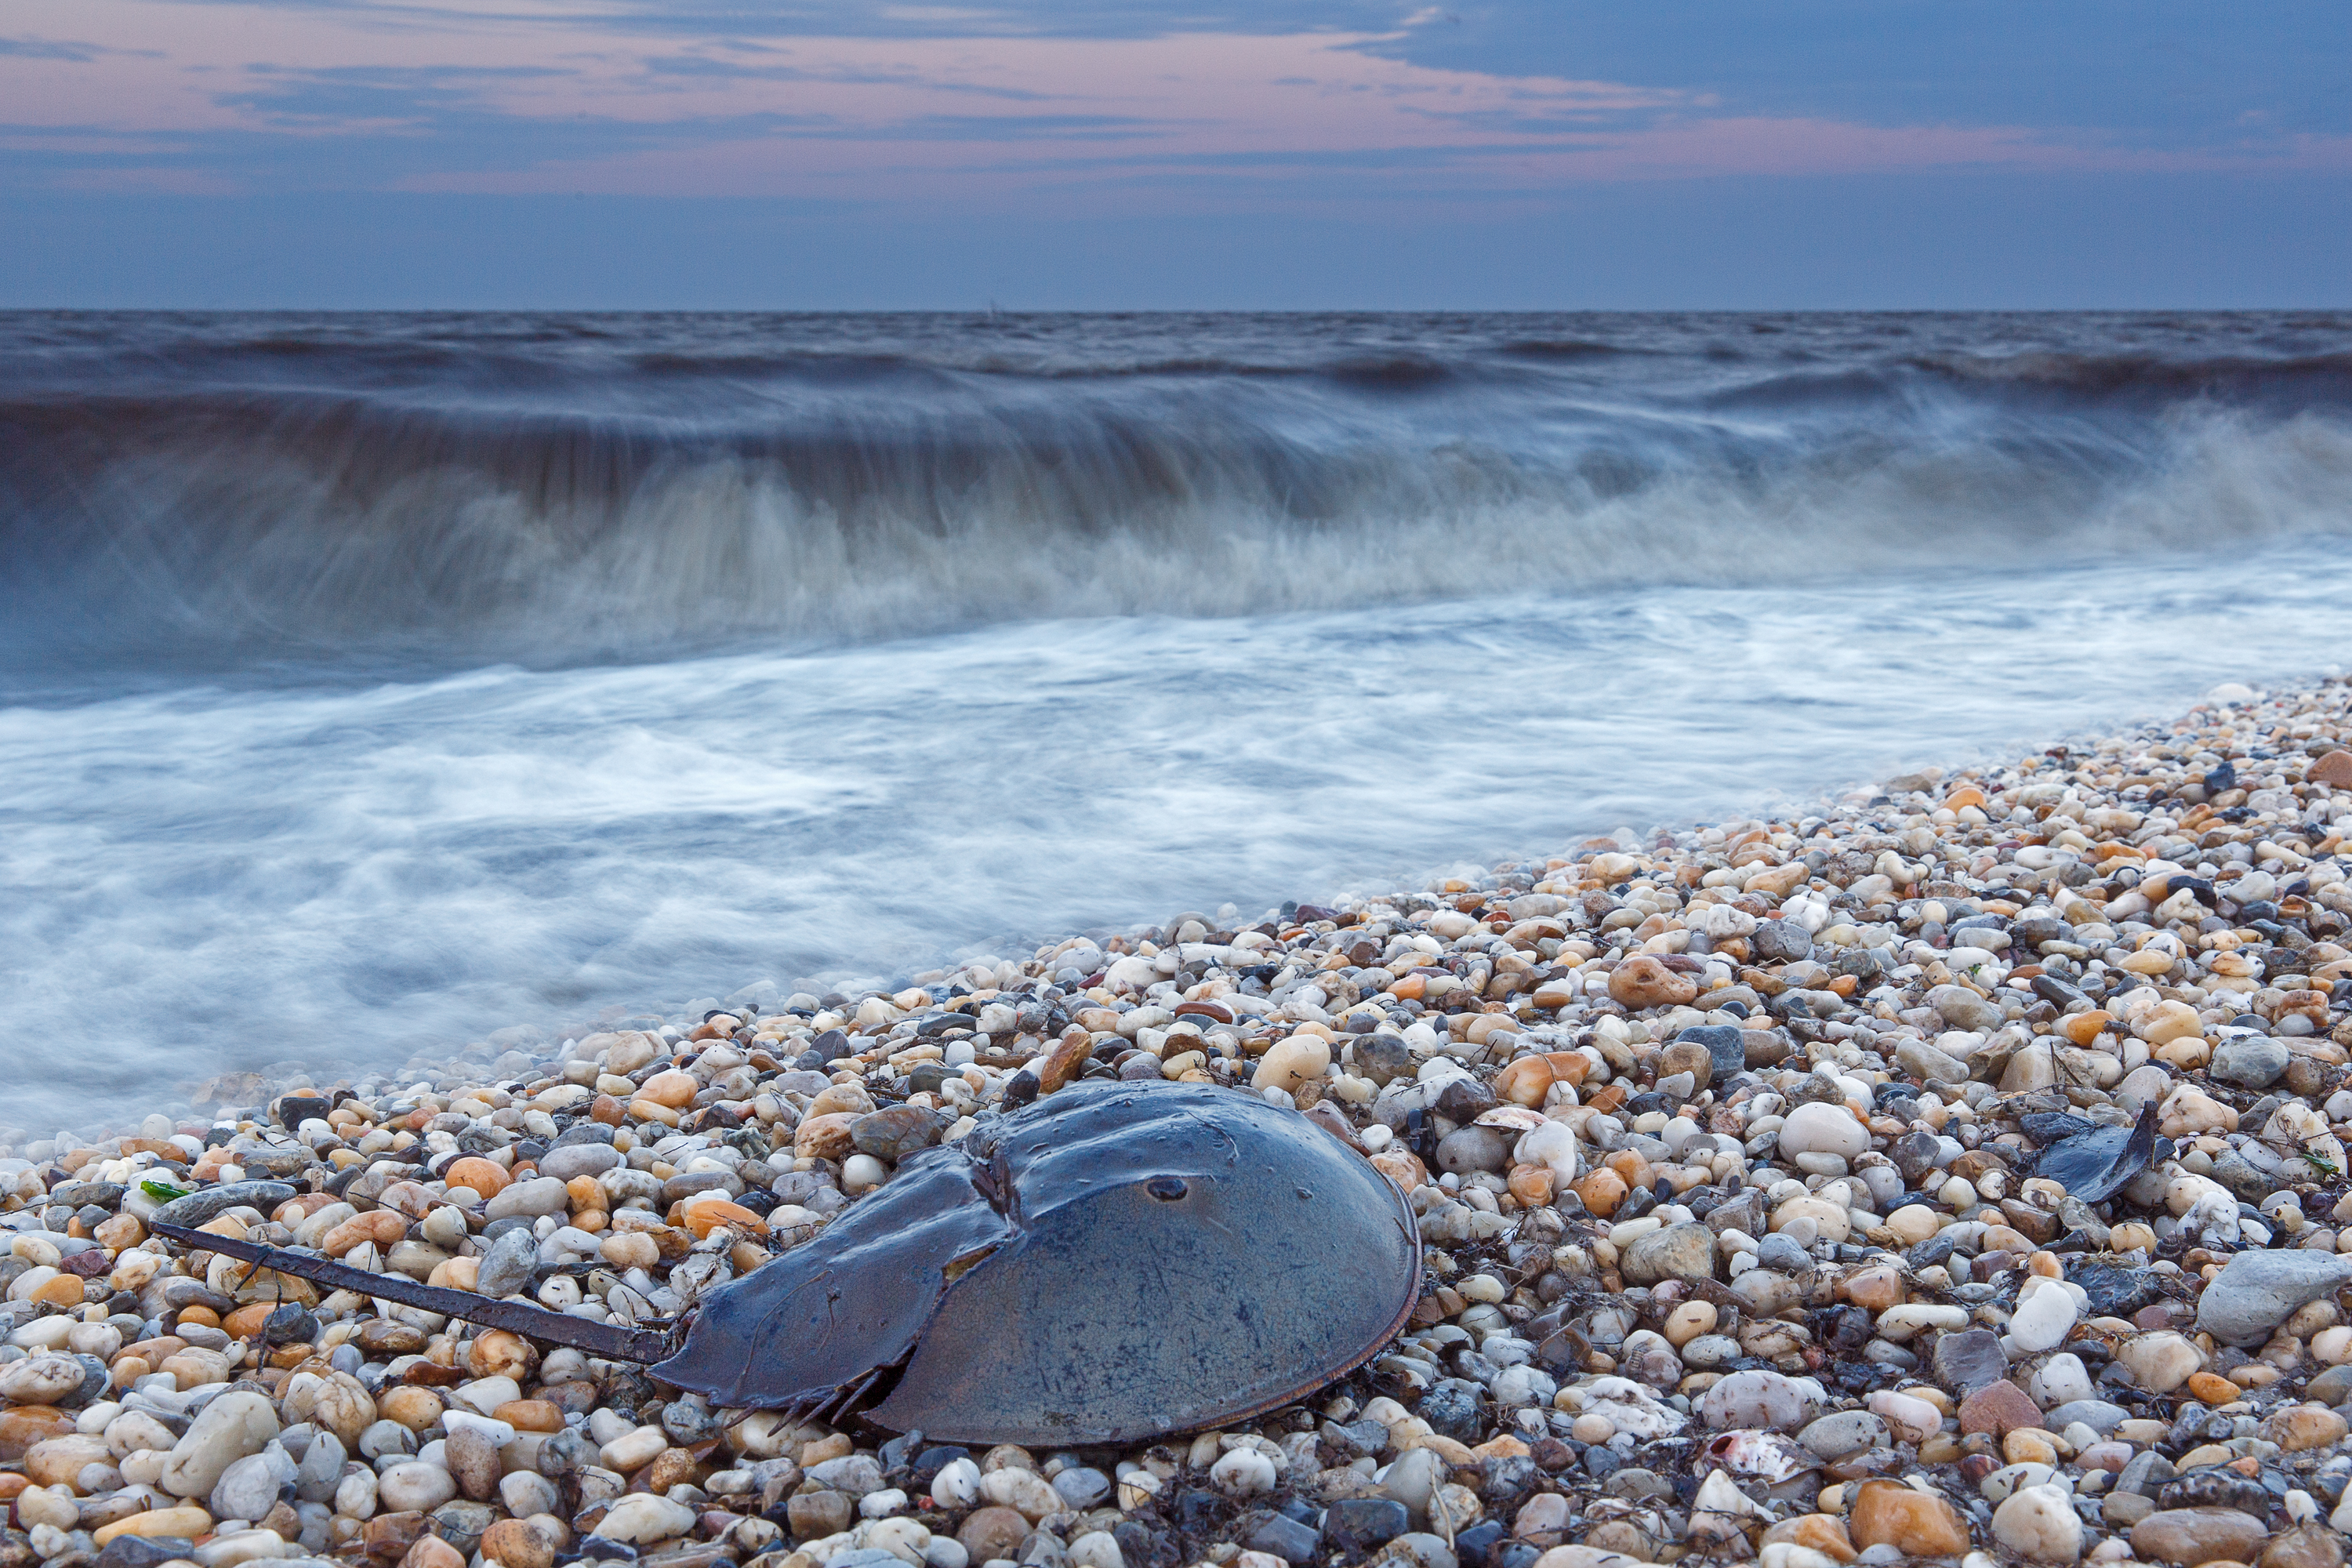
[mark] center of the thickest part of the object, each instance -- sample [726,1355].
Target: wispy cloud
[826,99]
[67,49]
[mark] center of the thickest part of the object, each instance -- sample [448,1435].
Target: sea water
[370,684]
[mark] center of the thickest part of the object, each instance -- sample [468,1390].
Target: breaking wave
[572,485]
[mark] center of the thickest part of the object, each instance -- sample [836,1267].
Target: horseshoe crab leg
[611,1341]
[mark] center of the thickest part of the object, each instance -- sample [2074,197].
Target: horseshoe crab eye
[1167,1189]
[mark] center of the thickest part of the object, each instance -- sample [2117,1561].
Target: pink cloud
[976,118]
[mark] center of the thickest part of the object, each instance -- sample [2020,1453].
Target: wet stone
[1451,1408]
[1277,1536]
[1725,1045]
[1967,1360]
[2214,1487]
[2193,1536]
[1362,1524]
[2115,1291]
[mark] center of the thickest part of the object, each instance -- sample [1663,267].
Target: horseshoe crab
[1115,1262]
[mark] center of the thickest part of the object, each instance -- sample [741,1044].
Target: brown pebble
[2334,769]
[432,1552]
[993,1532]
[1642,981]
[388,1536]
[1890,1513]
[518,1543]
[1998,1407]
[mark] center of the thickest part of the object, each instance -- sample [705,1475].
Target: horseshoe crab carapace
[1113,1263]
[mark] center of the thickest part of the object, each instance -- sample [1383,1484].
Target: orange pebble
[65,1290]
[203,1316]
[1601,1191]
[1525,1081]
[2208,1389]
[1632,1166]
[487,1177]
[2082,1028]
[1531,1186]
[245,1321]
[1569,1067]
[529,1416]
[672,1089]
[582,1193]
[704,1218]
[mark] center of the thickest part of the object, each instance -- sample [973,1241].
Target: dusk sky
[828,154]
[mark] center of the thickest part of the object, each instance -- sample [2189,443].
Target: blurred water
[211,876]
[291,765]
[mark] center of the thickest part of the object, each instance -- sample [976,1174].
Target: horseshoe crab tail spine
[611,1341]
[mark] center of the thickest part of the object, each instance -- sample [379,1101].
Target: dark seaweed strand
[607,1340]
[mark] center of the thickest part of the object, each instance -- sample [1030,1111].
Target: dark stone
[1364,1523]
[1041,1548]
[2332,1386]
[1383,1058]
[213,1201]
[1282,1537]
[1727,1048]
[1357,1439]
[2115,1292]
[293,1109]
[1141,1546]
[2212,1486]
[2196,1425]
[688,1421]
[290,1324]
[895,1453]
[1504,1476]
[1472,1545]
[1198,1510]
[1601,1461]
[1464,1099]
[1937,1249]
[1780,942]
[2056,992]
[462,1523]
[566,1454]
[144,1551]
[1451,1408]
[2145,1473]
[1967,1360]
[1914,1155]
[78,1195]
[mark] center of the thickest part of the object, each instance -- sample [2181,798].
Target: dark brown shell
[1113,1263]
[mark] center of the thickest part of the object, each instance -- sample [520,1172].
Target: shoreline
[1723,1145]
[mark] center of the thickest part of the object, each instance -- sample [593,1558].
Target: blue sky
[1288,153]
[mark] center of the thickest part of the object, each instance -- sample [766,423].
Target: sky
[1112,154]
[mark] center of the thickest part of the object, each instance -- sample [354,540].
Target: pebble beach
[1733,1150]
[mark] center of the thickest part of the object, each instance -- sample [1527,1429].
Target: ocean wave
[281,486]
